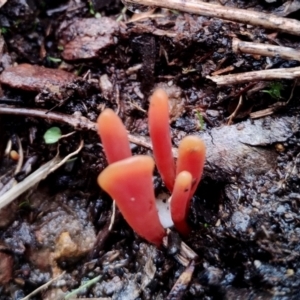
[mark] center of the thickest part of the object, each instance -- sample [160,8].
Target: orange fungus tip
[159,129]
[129,183]
[180,201]
[191,158]
[113,136]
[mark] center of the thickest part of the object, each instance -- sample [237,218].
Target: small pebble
[14,155]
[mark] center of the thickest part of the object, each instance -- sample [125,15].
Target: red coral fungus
[180,201]
[159,130]
[128,179]
[113,135]
[191,158]
[129,182]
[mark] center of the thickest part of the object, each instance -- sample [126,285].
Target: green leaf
[201,120]
[52,135]
[4,30]
[89,283]
[24,204]
[91,8]
[274,90]
[54,59]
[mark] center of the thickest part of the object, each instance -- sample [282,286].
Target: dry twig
[36,177]
[182,283]
[265,50]
[80,123]
[222,71]
[233,115]
[75,121]
[272,74]
[43,287]
[228,13]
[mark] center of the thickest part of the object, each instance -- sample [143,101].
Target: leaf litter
[245,213]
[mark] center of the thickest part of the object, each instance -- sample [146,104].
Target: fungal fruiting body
[129,183]
[128,179]
[159,130]
[191,158]
[113,136]
[180,201]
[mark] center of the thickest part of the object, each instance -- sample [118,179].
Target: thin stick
[233,115]
[263,113]
[43,287]
[265,50]
[75,121]
[66,158]
[80,123]
[113,216]
[21,156]
[28,182]
[222,71]
[228,13]
[272,74]
[36,177]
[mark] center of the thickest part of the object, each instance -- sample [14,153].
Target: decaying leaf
[34,78]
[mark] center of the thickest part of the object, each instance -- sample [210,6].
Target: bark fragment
[85,38]
[34,78]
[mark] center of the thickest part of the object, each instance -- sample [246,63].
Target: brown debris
[84,38]
[41,258]
[182,283]
[34,78]
[106,86]
[6,263]
[101,238]
[8,214]
[65,247]
[5,58]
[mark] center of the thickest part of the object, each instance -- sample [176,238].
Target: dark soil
[244,215]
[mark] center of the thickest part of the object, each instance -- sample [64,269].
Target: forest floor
[63,62]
